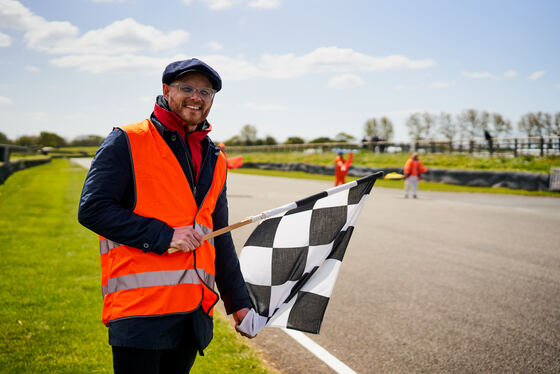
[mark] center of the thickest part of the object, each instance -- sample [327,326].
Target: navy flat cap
[178,68]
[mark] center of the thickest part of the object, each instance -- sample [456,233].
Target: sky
[306,68]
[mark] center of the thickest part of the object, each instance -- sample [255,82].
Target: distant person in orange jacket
[339,169]
[413,170]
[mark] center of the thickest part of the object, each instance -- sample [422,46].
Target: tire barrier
[474,178]
[9,168]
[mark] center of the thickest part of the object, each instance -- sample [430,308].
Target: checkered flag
[291,260]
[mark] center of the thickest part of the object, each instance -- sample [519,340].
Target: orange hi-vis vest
[141,284]
[414,168]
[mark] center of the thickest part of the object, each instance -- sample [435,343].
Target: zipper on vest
[204,198]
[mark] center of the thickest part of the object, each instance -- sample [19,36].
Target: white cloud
[124,36]
[32,68]
[511,74]
[264,107]
[537,74]
[321,60]
[216,4]
[5,100]
[265,4]
[345,81]
[122,63]
[441,84]
[5,40]
[477,75]
[215,46]
[108,1]
[14,15]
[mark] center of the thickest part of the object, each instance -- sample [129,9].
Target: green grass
[432,160]
[425,186]
[50,288]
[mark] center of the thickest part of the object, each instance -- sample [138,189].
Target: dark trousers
[178,360]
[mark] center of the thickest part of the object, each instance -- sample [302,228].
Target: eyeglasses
[205,94]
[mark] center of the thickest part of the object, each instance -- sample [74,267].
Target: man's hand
[186,239]
[238,316]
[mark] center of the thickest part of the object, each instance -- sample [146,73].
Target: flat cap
[178,68]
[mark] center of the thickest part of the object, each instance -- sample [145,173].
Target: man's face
[193,110]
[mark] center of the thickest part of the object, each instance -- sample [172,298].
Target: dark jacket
[106,207]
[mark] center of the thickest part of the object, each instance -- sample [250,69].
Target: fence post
[4,153]
[541,144]
[515,147]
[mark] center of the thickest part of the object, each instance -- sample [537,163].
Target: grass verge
[430,160]
[425,186]
[49,289]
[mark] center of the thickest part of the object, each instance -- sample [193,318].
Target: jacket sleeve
[108,198]
[406,169]
[228,273]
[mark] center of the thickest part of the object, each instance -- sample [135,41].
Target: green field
[431,160]
[50,289]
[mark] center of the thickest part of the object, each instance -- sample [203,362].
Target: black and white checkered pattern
[291,261]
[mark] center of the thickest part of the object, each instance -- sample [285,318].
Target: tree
[371,128]
[500,126]
[248,134]
[234,140]
[269,140]
[344,137]
[294,140]
[417,129]
[473,123]
[446,126]
[27,141]
[50,139]
[428,124]
[548,124]
[321,139]
[555,131]
[4,139]
[385,128]
[381,129]
[87,141]
[533,124]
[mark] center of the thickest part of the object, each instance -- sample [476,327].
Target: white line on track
[320,352]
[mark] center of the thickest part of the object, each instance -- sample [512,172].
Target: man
[155,185]
[413,170]
[339,169]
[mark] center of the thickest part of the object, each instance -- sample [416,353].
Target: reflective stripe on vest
[137,283]
[156,278]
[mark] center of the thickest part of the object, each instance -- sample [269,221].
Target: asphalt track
[447,283]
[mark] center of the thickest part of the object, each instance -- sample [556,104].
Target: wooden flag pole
[221,231]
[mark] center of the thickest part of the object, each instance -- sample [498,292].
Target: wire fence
[536,146]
